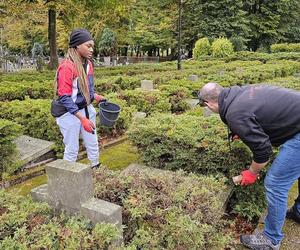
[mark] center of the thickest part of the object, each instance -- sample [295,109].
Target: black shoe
[96,166]
[293,214]
[258,242]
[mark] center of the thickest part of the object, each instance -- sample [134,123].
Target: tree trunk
[52,38]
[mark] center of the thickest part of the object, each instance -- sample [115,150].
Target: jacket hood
[226,97]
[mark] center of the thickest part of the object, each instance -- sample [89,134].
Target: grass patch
[117,157]
[24,188]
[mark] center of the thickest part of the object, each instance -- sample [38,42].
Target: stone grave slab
[192,102]
[147,85]
[139,115]
[32,150]
[193,78]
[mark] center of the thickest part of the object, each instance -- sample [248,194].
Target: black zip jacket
[261,116]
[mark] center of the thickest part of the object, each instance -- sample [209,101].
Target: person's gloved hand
[248,177]
[235,137]
[99,98]
[87,125]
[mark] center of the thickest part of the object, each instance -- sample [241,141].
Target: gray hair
[210,92]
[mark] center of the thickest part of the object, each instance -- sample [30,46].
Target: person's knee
[269,182]
[71,152]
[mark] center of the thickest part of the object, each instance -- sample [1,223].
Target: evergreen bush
[166,210]
[285,47]
[146,101]
[202,48]
[199,145]
[8,132]
[222,47]
[25,224]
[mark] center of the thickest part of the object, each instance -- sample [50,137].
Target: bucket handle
[107,118]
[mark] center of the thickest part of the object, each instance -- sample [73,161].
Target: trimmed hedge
[25,224]
[285,47]
[199,145]
[35,90]
[36,120]
[166,210]
[195,144]
[146,101]
[8,132]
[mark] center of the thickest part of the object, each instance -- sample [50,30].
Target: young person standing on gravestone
[75,88]
[262,116]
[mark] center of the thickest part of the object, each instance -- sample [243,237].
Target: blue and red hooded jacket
[68,85]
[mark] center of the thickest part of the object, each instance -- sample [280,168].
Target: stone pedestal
[69,184]
[102,211]
[147,85]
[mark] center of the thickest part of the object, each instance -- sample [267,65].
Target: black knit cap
[79,36]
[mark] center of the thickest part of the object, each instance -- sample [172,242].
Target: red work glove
[235,137]
[87,125]
[248,178]
[99,98]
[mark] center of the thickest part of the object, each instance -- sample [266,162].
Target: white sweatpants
[71,128]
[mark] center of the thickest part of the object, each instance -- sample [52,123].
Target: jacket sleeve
[65,74]
[252,134]
[90,77]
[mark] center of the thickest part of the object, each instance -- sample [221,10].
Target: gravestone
[147,85]
[139,115]
[32,150]
[192,102]
[207,112]
[70,189]
[193,78]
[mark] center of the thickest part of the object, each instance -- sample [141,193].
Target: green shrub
[285,47]
[146,101]
[202,48]
[166,210]
[8,132]
[177,97]
[199,145]
[238,43]
[194,144]
[25,224]
[222,47]
[35,118]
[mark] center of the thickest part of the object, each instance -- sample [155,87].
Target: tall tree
[214,18]
[271,21]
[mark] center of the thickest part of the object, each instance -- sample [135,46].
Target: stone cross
[70,189]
